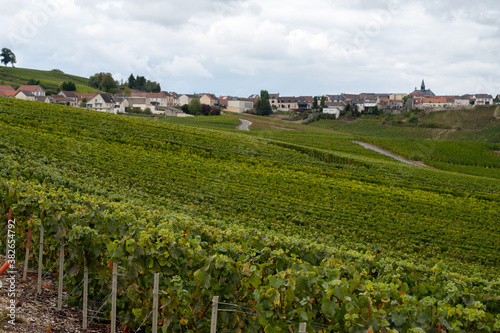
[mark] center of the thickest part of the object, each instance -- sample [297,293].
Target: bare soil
[38,313]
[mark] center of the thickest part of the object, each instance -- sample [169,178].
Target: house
[395,104]
[156,99]
[436,102]
[7,93]
[209,99]
[84,98]
[398,97]
[61,99]
[462,101]
[36,90]
[273,100]
[305,102]
[287,103]
[25,95]
[483,99]
[140,102]
[186,99]
[6,88]
[102,102]
[332,111]
[336,105]
[173,99]
[70,94]
[333,99]
[223,101]
[239,105]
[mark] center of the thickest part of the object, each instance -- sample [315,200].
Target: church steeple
[423,85]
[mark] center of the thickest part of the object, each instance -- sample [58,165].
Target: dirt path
[388,153]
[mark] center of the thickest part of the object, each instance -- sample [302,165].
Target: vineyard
[298,226]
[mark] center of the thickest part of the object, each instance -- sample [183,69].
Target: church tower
[423,85]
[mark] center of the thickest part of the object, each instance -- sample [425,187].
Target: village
[170,103]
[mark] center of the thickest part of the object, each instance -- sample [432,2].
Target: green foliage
[104,82]
[195,107]
[295,225]
[413,119]
[7,57]
[262,105]
[68,86]
[33,82]
[140,83]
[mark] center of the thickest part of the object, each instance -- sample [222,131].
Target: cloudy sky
[238,47]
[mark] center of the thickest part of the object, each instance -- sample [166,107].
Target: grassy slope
[50,80]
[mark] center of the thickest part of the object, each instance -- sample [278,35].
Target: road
[386,153]
[244,125]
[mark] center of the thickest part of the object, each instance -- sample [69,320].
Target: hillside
[478,124]
[292,225]
[50,80]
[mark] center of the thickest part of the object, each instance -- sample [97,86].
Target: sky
[240,47]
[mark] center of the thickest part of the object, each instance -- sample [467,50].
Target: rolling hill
[291,226]
[50,80]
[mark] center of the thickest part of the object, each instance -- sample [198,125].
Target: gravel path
[386,153]
[244,125]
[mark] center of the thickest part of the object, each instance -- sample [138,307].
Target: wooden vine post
[156,291]
[215,309]
[85,296]
[27,256]
[114,288]
[61,278]
[40,261]
[302,328]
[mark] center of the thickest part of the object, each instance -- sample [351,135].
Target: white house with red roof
[36,90]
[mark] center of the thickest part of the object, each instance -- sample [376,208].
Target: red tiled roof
[6,88]
[29,88]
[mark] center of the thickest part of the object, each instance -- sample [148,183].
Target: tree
[315,105]
[83,103]
[322,102]
[103,81]
[108,84]
[263,107]
[131,81]
[68,86]
[205,109]
[8,57]
[194,106]
[215,111]
[33,82]
[139,82]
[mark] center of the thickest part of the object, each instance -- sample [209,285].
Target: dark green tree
[103,81]
[68,86]
[96,80]
[322,103]
[108,84]
[315,104]
[263,107]
[33,82]
[140,81]
[131,81]
[8,57]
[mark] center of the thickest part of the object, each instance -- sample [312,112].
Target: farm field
[298,225]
